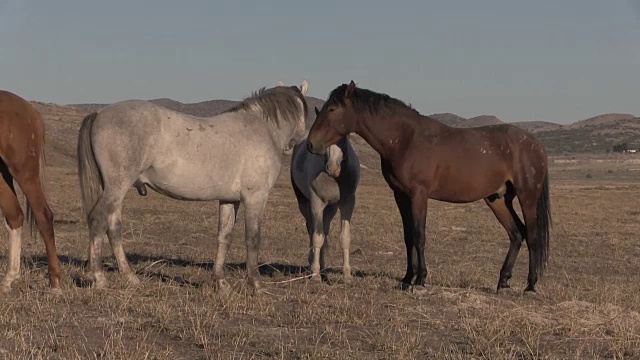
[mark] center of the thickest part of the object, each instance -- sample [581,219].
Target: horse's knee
[97,221]
[14,220]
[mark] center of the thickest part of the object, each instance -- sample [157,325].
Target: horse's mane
[366,100]
[278,100]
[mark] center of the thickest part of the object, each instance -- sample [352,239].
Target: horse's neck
[387,133]
[281,134]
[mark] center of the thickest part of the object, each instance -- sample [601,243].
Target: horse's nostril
[309,147]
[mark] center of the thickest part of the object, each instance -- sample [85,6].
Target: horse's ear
[304,87]
[279,83]
[317,111]
[350,89]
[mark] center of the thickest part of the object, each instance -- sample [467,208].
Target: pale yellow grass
[587,306]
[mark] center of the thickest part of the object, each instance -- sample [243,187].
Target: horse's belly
[191,187]
[463,190]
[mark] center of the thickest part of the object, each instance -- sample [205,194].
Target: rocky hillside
[594,135]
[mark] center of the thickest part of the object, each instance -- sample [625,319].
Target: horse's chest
[326,188]
[392,177]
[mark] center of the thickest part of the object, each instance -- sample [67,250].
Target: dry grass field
[587,306]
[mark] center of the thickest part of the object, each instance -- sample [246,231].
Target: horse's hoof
[255,284]
[5,289]
[316,277]
[55,291]
[405,286]
[99,282]
[132,280]
[419,290]
[347,278]
[223,287]
[257,291]
[507,291]
[532,294]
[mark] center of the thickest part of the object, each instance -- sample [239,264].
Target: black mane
[366,100]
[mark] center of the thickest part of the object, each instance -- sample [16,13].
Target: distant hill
[448,118]
[535,126]
[597,134]
[482,120]
[604,119]
[593,135]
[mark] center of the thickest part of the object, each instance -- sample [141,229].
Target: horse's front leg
[254,209]
[226,220]
[317,237]
[419,214]
[346,211]
[404,206]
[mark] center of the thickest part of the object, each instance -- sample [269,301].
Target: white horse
[323,184]
[232,157]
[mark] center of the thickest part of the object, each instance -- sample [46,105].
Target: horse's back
[525,146]
[486,142]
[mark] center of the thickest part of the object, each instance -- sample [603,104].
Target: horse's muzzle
[333,171]
[315,150]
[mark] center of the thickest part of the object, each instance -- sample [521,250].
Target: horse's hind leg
[346,211]
[226,219]
[506,215]
[528,203]
[114,233]
[14,218]
[44,221]
[106,219]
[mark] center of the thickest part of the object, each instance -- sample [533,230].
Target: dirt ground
[587,306]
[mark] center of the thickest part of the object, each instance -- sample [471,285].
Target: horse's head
[334,121]
[300,128]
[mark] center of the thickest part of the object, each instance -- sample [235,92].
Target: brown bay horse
[423,159]
[22,160]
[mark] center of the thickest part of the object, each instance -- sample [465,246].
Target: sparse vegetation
[620,148]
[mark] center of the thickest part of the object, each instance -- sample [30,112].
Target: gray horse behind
[324,184]
[232,157]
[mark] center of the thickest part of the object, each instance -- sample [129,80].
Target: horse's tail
[91,184]
[543,224]
[31,219]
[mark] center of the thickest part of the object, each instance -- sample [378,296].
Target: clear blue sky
[548,60]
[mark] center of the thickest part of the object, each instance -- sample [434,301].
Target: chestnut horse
[22,160]
[424,159]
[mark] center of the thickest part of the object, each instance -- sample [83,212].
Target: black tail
[543,224]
